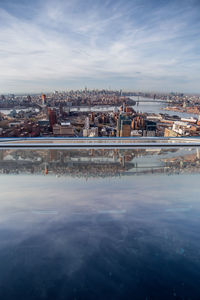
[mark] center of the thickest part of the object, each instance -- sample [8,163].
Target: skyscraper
[43,99]
[52,117]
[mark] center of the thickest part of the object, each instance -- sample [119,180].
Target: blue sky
[138,45]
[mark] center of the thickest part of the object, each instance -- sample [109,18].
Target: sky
[140,45]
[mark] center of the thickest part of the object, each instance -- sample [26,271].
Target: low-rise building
[63,130]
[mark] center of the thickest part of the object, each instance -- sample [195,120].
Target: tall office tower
[124,107]
[43,99]
[29,98]
[52,117]
[87,123]
[123,126]
[125,130]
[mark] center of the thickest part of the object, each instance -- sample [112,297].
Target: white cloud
[65,41]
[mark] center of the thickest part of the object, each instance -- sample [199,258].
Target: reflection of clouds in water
[143,194]
[81,235]
[118,212]
[120,233]
[44,212]
[90,250]
[179,209]
[70,242]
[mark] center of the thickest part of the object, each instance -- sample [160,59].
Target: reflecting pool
[100,224]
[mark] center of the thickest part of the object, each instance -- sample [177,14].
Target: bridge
[154,100]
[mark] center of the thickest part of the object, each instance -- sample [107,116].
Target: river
[157,108]
[7,111]
[142,107]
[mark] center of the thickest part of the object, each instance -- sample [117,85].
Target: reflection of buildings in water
[184,163]
[198,156]
[55,155]
[45,169]
[97,162]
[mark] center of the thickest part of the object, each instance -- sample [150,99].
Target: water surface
[100,224]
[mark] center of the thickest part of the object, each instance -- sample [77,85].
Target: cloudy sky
[140,45]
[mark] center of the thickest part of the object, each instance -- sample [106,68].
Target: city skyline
[131,45]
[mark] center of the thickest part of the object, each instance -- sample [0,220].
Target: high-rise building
[52,117]
[43,99]
[125,130]
[87,123]
[123,126]
[29,98]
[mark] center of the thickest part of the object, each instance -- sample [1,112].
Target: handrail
[100,142]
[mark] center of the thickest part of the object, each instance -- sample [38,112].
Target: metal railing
[99,142]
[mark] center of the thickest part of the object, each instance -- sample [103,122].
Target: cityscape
[99,149]
[100,113]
